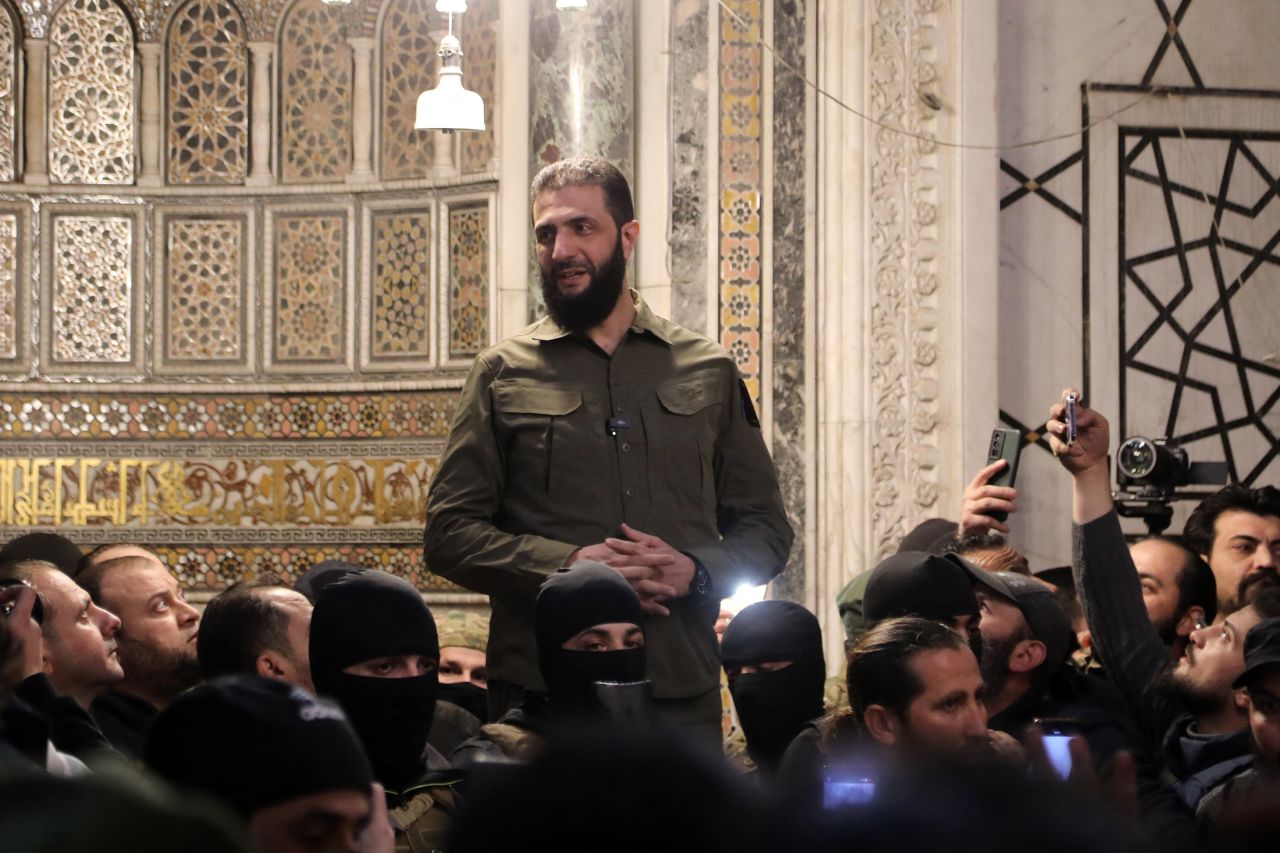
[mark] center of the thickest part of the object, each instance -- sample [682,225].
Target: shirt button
[625,447]
[629,493]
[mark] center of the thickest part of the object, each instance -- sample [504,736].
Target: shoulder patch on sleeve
[748,409]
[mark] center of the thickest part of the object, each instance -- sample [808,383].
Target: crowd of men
[606,485]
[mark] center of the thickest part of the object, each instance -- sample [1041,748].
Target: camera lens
[1137,457]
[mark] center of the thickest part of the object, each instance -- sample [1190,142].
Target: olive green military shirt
[555,444]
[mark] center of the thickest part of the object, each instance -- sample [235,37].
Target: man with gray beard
[156,642]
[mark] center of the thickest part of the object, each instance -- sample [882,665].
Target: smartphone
[37,606]
[843,787]
[1071,418]
[1056,736]
[1006,444]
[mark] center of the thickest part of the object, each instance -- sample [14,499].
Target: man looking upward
[604,432]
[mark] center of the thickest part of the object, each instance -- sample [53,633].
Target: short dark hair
[588,172]
[879,668]
[237,626]
[989,540]
[1196,583]
[1198,532]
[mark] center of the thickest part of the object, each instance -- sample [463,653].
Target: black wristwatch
[700,585]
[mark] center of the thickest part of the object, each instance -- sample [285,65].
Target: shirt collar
[644,321]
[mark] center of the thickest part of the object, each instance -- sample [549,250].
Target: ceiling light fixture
[449,106]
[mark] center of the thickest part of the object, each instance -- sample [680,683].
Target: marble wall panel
[787,319]
[690,83]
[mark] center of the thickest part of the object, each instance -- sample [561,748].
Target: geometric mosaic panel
[409,64]
[1199,299]
[468,280]
[741,187]
[401,285]
[8,286]
[208,94]
[204,289]
[91,94]
[200,418]
[310,281]
[315,94]
[480,71]
[8,78]
[92,289]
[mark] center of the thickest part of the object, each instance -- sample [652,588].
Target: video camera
[1149,472]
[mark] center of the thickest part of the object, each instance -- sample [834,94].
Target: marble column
[261,54]
[36,126]
[581,88]
[150,143]
[362,111]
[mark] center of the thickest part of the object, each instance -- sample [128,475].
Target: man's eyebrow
[1245,537]
[950,697]
[592,634]
[1147,576]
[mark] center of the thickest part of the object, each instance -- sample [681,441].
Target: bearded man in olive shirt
[604,432]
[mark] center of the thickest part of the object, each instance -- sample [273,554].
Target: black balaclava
[373,615]
[569,602]
[467,696]
[774,705]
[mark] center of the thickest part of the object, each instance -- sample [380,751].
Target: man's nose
[564,246]
[108,623]
[1264,558]
[187,614]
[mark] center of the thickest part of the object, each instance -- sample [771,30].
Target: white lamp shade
[571,4]
[449,106]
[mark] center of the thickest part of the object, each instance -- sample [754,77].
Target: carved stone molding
[905,221]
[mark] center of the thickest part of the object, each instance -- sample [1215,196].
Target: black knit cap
[773,630]
[574,599]
[1261,649]
[365,616]
[255,742]
[50,547]
[913,583]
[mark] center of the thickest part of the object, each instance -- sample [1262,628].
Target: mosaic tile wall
[227,486]
[164,341]
[741,186]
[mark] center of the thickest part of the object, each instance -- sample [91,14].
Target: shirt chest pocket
[682,429]
[542,430]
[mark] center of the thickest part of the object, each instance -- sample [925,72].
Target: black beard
[588,309]
[161,671]
[1197,700]
[994,663]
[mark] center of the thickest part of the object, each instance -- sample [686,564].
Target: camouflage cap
[468,629]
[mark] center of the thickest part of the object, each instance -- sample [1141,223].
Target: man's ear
[269,665]
[628,234]
[1027,655]
[1193,617]
[882,724]
[1241,698]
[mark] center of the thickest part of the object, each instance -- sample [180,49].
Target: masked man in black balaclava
[374,650]
[772,653]
[587,621]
